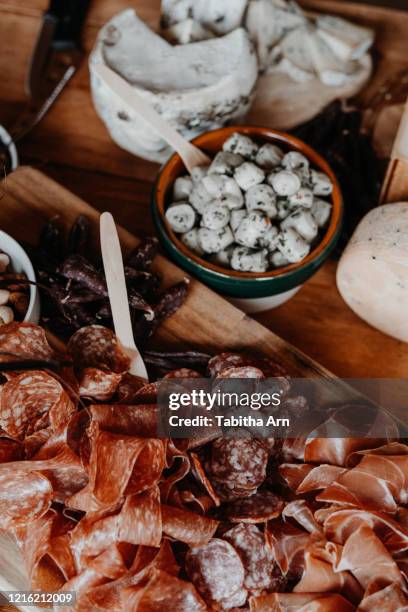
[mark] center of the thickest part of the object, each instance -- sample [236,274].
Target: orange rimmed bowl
[251,291]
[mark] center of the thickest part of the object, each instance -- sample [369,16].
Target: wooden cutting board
[205,322]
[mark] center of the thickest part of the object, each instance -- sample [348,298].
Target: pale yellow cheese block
[372,275]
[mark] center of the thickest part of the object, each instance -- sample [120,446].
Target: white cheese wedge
[186,31]
[267,21]
[195,87]
[372,275]
[348,41]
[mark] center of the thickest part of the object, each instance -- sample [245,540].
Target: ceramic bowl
[20,262]
[250,291]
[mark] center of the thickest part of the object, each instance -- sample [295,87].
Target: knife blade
[56,57]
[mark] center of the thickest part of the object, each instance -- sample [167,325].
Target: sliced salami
[98,385]
[239,461]
[186,526]
[24,497]
[202,478]
[216,570]
[128,387]
[221,362]
[138,420]
[259,508]
[246,371]
[29,401]
[96,346]
[25,341]
[123,463]
[249,542]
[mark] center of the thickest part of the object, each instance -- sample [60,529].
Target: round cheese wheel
[372,275]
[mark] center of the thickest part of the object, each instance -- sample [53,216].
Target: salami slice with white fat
[96,346]
[261,507]
[241,372]
[24,497]
[249,542]
[29,401]
[98,385]
[121,463]
[25,341]
[239,461]
[216,570]
[221,362]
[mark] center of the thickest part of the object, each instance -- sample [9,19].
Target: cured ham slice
[321,572]
[301,512]
[300,602]
[287,544]
[163,591]
[390,599]
[365,556]
[341,523]
[376,483]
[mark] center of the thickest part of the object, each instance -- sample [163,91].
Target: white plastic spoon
[192,156]
[118,297]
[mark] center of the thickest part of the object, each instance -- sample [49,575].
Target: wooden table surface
[72,146]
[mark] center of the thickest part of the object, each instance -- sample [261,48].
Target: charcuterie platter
[155,530]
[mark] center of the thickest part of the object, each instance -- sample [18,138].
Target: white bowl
[20,263]
[253,305]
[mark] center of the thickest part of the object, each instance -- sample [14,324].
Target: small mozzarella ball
[4,262]
[285,182]
[277,260]
[190,239]
[225,163]
[294,160]
[283,209]
[321,184]
[252,227]
[269,156]
[4,296]
[223,257]
[183,186]
[232,195]
[321,211]
[241,145]
[198,173]
[261,197]
[303,197]
[236,218]
[199,197]
[269,240]
[248,174]
[212,241]
[6,315]
[214,184]
[215,215]
[181,217]
[247,260]
[292,245]
[303,222]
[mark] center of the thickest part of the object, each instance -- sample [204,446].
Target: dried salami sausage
[216,570]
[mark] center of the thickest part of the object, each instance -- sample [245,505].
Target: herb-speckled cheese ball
[254,208]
